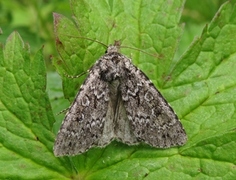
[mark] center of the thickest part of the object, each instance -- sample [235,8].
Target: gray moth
[117,101]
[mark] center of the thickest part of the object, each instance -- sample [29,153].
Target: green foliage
[26,116]
[33,20]
[200,85]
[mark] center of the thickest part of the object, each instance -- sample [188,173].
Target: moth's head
[113,48]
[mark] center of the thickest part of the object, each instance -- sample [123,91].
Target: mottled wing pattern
[117,101]
[152,120]
[83,125]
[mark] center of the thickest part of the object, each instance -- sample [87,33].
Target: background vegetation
[198,81]
[34,21]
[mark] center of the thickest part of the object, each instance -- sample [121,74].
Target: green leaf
[26,118]
[200,85]
[136,24]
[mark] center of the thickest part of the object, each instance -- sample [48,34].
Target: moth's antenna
[117,43]
[90,39]
[154,55]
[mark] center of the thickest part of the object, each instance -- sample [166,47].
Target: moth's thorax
[112,49]
[112,65]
